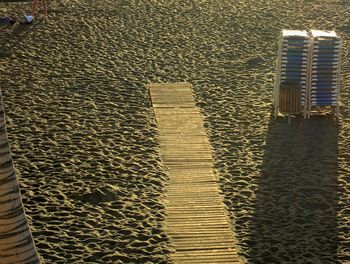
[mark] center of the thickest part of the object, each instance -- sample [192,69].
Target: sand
[84,138]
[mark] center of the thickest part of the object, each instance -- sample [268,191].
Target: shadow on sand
[295,210]
[19,29]
[15,34]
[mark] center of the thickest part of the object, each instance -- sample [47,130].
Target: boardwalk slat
[196,218]
[201,236]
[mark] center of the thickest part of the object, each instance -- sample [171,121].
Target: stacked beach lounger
[308,72]
[325,71]
[291,81]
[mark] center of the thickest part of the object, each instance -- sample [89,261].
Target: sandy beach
[84,137]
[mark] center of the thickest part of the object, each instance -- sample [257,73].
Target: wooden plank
[196,222]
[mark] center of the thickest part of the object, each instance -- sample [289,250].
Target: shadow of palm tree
[295,209]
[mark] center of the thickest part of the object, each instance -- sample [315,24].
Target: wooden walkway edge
[196,221]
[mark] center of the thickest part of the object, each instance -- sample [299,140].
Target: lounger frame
[317,68]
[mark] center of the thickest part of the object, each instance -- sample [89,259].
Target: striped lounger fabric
[325,65]
[292,65]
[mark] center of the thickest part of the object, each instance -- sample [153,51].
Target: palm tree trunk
[16,241]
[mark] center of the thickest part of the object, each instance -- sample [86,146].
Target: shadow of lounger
[295,217]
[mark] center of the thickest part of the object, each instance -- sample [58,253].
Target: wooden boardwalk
[196,221]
